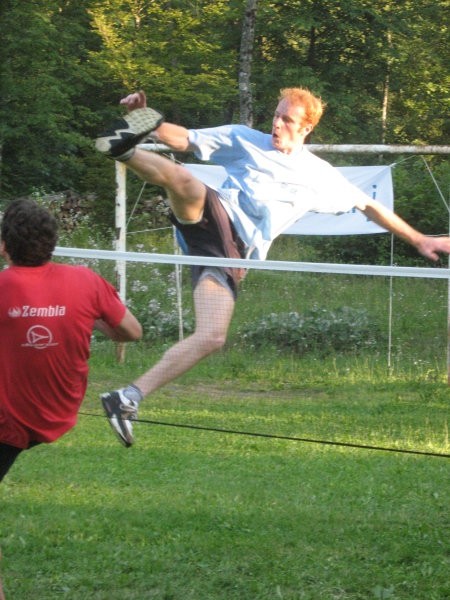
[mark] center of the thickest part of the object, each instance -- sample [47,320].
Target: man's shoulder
[310,156]
[247,135]
[233,129]
[76,272]
[247,131]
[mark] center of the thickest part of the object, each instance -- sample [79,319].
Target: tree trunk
[245,63]
[386,90]
[311,60]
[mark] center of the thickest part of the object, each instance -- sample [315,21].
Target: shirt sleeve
[215,143]
[334,193]
[110,307]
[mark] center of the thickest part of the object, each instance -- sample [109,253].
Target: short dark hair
[29,232]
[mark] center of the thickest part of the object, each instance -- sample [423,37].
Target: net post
[120,242]
[448,318]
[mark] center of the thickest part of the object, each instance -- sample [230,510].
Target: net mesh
[308,355]
[388,317]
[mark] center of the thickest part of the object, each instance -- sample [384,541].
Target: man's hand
[135,100]
[432,247]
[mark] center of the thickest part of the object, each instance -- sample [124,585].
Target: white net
[297,313]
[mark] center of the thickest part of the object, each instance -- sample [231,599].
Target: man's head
[297,113]
[28,233]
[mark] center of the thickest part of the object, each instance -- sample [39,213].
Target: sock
[132,392]
[125,155]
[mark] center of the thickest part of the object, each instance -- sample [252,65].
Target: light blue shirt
[265,191]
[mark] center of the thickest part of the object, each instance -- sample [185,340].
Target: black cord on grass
[283,437]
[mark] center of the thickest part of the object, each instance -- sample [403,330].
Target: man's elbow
[129,330]
[133,334]
[137,334]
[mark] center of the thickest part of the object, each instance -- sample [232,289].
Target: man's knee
[211,342]
[186,194]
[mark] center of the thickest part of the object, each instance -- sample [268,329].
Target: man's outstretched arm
[428,246]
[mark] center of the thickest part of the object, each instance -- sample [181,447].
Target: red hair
[313,105]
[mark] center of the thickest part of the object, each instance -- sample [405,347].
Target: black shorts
[14,438]
[8,456]
[214,236]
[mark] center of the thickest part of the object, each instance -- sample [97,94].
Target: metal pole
[178,284]
[120,241]
[390,310]
[448,317]
[347,148]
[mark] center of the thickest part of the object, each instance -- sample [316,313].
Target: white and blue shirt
[264,190]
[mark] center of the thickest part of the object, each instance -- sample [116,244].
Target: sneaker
[119,140]
[120,412]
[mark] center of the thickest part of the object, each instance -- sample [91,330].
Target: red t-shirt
[47,315]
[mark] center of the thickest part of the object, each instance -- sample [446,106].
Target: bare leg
[186,193]
[214,305]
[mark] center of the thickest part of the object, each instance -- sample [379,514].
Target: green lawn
[188,514]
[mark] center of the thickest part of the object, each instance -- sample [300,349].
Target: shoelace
[130,411]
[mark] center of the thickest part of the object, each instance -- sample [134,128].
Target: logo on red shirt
[39,337]
[37,311]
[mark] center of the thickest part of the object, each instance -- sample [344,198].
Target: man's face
[289,128]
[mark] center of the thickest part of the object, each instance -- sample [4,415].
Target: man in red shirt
[47,314]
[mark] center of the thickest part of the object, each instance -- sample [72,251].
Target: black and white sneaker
[119,140]
[120,412]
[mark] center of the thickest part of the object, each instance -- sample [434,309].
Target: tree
[381,66]
[246,57]
[45,78]
[182,54]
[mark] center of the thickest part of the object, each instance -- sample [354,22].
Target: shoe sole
[113,421]
[128,131]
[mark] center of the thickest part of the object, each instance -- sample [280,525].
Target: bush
[318,330]
[152,297]
[160,324]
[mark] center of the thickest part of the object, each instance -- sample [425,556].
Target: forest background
[381,66]
[214,515]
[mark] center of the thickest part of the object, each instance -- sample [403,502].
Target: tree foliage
[381,66]
[176,51]
[46,90]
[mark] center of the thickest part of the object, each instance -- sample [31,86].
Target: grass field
[190,514]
